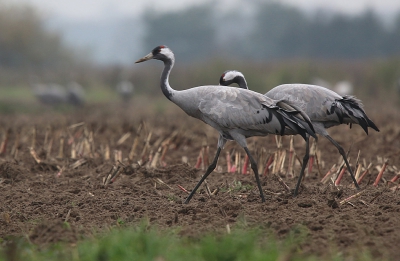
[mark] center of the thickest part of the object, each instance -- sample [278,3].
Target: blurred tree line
[28,48]
[271,43]
[272,31]
[24,41]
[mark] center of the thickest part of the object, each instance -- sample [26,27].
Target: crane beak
[147,57]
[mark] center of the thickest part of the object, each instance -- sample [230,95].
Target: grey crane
[49,94]
[75,94]
[235,113]
[324,107]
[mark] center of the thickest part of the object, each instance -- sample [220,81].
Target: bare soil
[51,196]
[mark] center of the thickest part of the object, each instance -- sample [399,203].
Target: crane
[324,107]
[235,113]
[49,94]
[75,94]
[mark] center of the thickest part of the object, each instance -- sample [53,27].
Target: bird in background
[235,113]
[324,107]
[75,94]
[54,94]
[49,94]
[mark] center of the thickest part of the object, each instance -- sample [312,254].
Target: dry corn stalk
[77,163]
[117,156]
[268,164]
[206,159]
[33,144]
[245,164]
[73,126]
[34,155]
[340,176]
[73,150]
[199,159]
[112,175]
[364,174]
[123,138]
[4,142]
[236,167]
[358,171]
[261,160]
[207,188]
[185,159]
[107,152]
[14,150]
[159,181]
[228,161]
[146,147]
[395,178]
[61,150]
[165,145]
[156,158]
[46,135]
[312,157]
[183,189]
[132,153]
[280,180]
[48,149]
[282,161]
[317,157]
[351,197]
[328,174]
[113,171]
[86,148]
[380,174]
[336,174]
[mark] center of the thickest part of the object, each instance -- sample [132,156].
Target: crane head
[233,76]
[161,52]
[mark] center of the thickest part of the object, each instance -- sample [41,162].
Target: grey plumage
[235,113]
[49,94]
[75,94]
[55,94]
[324,107]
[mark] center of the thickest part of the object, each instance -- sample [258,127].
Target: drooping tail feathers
[296,119]
[351,107]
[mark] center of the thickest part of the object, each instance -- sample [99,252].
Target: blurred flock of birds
[54,94]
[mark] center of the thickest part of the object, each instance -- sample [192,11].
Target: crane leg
[255,169]
[209,170]
[303,167]
[341,151]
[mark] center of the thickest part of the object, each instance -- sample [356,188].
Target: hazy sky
[94,9]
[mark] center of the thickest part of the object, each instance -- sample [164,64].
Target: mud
[49,195]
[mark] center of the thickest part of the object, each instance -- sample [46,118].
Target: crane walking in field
[235,113]
[324,107]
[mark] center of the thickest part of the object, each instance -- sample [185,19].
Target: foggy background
[95,43]
[117,32]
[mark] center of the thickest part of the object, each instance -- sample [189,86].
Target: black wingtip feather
[300,117]
[351,103]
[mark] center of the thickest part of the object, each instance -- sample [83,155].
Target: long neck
[165,87]
[241,82]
